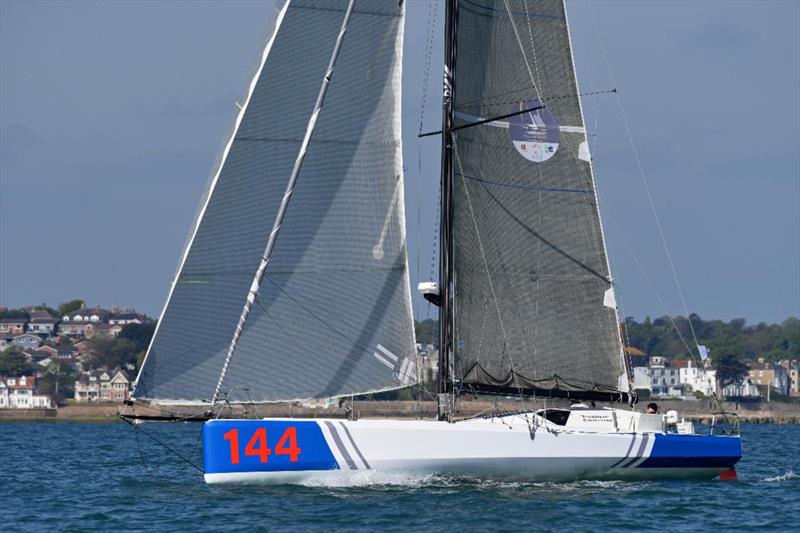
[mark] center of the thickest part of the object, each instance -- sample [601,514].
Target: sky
[111,114]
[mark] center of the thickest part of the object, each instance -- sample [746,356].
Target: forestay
[333,313]
[534,304]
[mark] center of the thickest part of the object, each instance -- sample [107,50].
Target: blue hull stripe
[693,451]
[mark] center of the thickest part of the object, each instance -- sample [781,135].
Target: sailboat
[294,284]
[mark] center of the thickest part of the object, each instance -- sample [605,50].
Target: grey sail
[332,314]
[533,300]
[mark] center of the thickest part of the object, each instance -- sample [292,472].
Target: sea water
[79,477]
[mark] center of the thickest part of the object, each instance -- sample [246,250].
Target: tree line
[732,345]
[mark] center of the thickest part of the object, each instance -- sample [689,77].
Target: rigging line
[613,272]
[551,245]
[295,341]
[699,364]
[533,48]
[432,6]
[316,316]
[580,341]
[483,256]
[484,121]
[183,354]
[537,15]
[165,446]
[649,281]
[288,335]
[139,449]
[643,177]
[522,50]
[299,296]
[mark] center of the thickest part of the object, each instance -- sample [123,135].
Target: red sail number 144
[257,446]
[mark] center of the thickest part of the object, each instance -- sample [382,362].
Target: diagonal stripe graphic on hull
[340,445]
[355,447]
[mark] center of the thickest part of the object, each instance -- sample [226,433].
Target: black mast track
[446,223]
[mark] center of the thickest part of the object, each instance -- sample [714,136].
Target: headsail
[531,279]
[333,312]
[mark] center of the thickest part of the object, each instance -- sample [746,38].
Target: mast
[446,213]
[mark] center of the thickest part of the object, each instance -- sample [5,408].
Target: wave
[788,476]
[365,478]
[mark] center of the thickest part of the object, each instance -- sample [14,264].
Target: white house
[41,323]
[126,318]
[659,379]
[19,393]
[699,379]
[744,388]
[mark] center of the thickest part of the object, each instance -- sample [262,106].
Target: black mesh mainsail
[533,300]
[333,312]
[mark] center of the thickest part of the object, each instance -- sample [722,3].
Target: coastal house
[11,327]
[74,324]
[64,351]
[101,330]
[699,379]
[93,315]
[27,341]
[41,323]
[102,386]
[743,388]
[20,393]
[125,318]
[794,380]
[68,328]
[40,354]
[70,364]
[769,375]
[658,378]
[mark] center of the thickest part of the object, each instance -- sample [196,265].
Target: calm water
[63,476]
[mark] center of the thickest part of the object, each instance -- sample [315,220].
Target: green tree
[69,307]
[110,352]
[14,313]
[427,331]
[139,334]
[13,363]
[730,368]
[57,382]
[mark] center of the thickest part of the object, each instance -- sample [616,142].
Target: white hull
[516,447]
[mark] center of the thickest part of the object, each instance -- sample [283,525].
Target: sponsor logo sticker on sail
[535,134]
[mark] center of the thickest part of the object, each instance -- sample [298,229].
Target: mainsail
[332,315]
[532,304]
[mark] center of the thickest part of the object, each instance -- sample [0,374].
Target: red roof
[30,382]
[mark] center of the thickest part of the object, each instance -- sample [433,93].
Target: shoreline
[773,413]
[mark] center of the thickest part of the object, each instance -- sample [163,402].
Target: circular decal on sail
[535,134]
